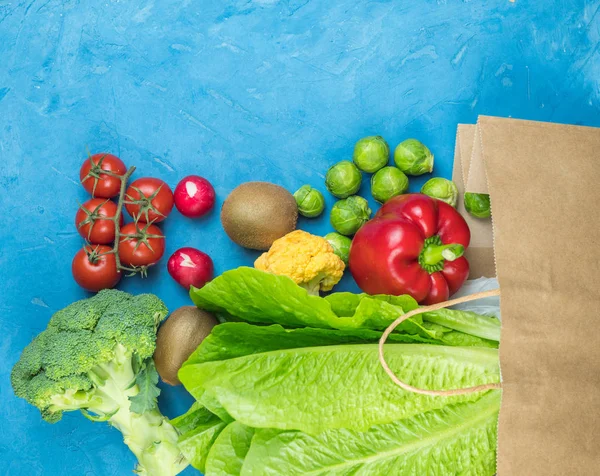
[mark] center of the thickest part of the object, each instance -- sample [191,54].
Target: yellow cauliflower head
[308,259]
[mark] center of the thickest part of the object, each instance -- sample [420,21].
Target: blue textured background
[236,91]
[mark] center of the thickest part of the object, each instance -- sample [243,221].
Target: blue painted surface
[236,91]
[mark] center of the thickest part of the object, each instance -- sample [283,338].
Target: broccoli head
[96,356]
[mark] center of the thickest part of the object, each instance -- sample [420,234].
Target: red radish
[190,267]
[194,196]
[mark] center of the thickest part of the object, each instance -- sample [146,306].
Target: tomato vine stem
[141,234]
[117,218]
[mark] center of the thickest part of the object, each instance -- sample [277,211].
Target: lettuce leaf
[344,304]
[486,327]
[313,389]
[259,297]
[213,405]
[197,415]
[198,429]
[447,336]
[304,393]
[237,339]
[240,294]
[228,452]
[456,439]
[455,338]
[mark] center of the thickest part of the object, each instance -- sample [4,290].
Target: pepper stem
[435,253]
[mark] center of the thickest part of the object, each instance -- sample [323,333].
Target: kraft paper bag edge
[549,354]
[476,180]
[463,150]
[480,253]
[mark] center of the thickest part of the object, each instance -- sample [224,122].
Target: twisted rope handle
[434,307]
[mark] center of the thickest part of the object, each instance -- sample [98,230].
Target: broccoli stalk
[96,356]
[148,434]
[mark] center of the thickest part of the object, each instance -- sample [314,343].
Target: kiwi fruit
[178,337]
[255,214]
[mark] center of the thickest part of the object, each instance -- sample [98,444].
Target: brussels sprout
[310,201]
[442,189]
[478,204]
[371,153]
[340,244]
[387,183]
[343,179]
[348,215]
[413,157]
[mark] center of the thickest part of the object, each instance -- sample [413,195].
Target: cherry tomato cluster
[113,247]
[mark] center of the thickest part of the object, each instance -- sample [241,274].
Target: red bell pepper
[413,245]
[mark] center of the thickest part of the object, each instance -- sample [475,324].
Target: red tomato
[97,183]
[141,246]
[190,267]
[92,223]
[149,200]
[194,196]
[95,268]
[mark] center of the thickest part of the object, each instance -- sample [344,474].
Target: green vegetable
[413,157]
[345,304]
[313,389]
[486,327]
[96,356]
[460,339]
[228,452]
[478,204]
[340,244]
[371,153]
[442,189]
[315,400]
[214,406]
[456,439]
[260,339]
[348,215]
[241,292]
[343,179]
[387,183]
[310,201]
[195,416]
[253,370]
[198,430]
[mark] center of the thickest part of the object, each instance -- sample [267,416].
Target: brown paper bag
[480,252]
[544,181]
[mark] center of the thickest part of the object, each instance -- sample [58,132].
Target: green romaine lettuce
[198,429]
[197,415]
[455,439]
[259,297]
[213,405]
[240,294]
[313,389]
[466,322]
[305,393]
[344,304]
[237,339]
[447,336]
[228,452]
[455,338]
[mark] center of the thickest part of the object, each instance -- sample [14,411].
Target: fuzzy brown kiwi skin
[255,214]
[178,337]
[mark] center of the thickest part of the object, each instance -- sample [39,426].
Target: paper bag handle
[434,307]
